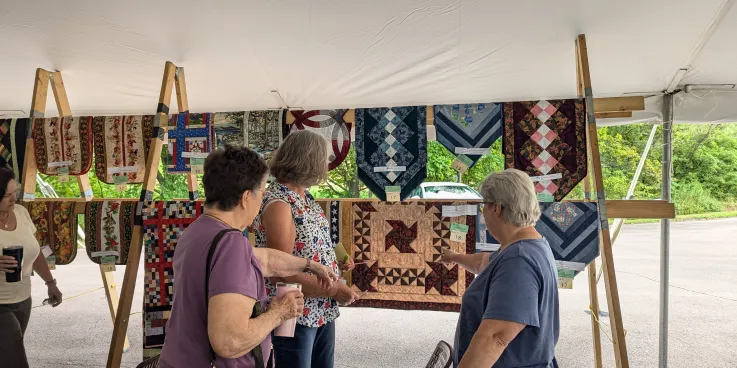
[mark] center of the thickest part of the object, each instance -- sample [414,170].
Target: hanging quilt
[571,229]
[329,124]
[547,139]
[391,148]
[163,224]
[63,142]
[189,137]
[109,228]
[56,226]
[121,146]
[229,128]
[397,250]
[13,135]
[264,131]
[472,126]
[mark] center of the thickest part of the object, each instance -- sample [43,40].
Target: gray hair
[301,159]
[515,192]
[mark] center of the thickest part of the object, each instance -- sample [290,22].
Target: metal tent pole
[667,163]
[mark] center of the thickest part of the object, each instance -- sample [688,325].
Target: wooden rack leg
[111,292]
[115,354]
[193,187]
[38,109]
[610,277]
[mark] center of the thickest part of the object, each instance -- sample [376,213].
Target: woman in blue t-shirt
[509,314]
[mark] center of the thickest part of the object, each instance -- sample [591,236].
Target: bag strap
[257,353]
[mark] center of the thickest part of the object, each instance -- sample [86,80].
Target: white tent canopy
[336,53]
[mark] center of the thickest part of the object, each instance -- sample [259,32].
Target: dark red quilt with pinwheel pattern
[397,248]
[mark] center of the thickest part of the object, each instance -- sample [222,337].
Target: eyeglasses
[481,205]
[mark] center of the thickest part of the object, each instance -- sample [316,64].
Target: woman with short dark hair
[292,222]
[230,330]
[17,229]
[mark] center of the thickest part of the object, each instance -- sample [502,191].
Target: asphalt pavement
[703,302]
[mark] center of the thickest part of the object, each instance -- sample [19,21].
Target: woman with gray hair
[291,221]
[509,313]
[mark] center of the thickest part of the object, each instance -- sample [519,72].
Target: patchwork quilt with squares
[13,135]
[109,228]
[163,224]
[188,134]
[468,126]
[56,226]
[389,138]
[264,131]
[329,124]
[544,138]
[397,250]
[571,229]
[63,142]
[121,146]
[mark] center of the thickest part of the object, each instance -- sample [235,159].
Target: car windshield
[450,192]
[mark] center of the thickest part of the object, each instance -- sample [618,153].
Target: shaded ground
[703,325]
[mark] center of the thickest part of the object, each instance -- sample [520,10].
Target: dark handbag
[258,355]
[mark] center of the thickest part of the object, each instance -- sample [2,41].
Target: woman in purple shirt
[227,331]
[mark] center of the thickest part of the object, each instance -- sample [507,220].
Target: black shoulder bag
[258,355]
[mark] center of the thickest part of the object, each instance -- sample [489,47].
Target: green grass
[693,217]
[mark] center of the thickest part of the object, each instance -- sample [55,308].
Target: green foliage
[704,170]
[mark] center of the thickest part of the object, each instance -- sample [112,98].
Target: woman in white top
[16,229]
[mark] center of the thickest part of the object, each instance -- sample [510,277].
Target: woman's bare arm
[281,233]
[474,263]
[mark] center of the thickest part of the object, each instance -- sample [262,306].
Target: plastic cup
[286,329]
[17,253]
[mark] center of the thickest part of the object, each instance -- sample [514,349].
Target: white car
[445,190]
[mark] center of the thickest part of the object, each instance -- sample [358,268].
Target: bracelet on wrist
[52,282]
[307,266]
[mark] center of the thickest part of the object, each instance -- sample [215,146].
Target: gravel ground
[703,325]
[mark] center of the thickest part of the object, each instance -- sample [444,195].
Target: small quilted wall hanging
[571,229]
[109,228]
[63,143]
[397,250]
[547,139]
[468,129]
[328,123]
[163,224]
[229,128]
[189,137]
[264,131]
[121,146]
[391,148]
[56,226]
[13,135]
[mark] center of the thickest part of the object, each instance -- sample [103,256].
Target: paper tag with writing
[471,151]
[121,182]
[565,283]
[390,168]
[202,155]
[432,133]
[461,228]
[566,273]
[59,164]
[393,193]
[29,196]
[107,263]
[462,210]
[197,165]
[458,232]
[488,247]
[545,197]
[166,136]
[105,253]
[63,173]
[87,194]
[546,177]
[122,170]
[51,261]
[462,163]
[566,265]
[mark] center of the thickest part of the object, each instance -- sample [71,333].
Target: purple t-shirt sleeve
[231,269]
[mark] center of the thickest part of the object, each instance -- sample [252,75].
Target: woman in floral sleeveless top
[290,220]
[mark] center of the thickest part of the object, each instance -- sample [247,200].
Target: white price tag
[488,247]
[105,253]
[46,250]
[60,164]
[195,154]
[390,168]
[471,151]
[432,133]
[122,170]
[546,177]
[565,283]
[565,265]
[462,210]
[457,236]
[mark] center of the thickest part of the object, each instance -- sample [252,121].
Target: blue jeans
[310,347]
